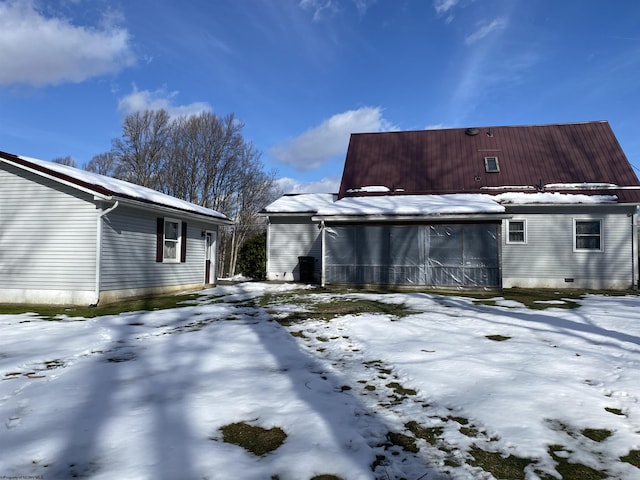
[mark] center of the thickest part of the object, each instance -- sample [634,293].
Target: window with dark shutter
[171,241]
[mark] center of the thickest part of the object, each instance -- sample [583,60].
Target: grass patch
[377,364]
[503,468]
[497,338]
[292,319]
[403,441]
[615,411]
[256,440]
[58,312]
[597,434]
[400,390]
[538,299]
[460,420]
[633,458]
[470,431]
[428,434]
[573,471]
[342,307]
[327,310]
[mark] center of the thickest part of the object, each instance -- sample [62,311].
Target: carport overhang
[464,218]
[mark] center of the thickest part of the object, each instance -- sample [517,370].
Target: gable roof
[107,187]
[573,157]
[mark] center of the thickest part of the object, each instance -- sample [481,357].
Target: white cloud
[38,50]
[141,100]
[324,185]
[485,29]
[320,8]
[443,6]
[320,144]
[437,126]
[327,8]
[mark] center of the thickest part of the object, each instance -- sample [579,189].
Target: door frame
[210,257]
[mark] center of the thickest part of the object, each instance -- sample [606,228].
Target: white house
[541,206]
[74,237]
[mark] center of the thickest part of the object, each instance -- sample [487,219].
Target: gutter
[194,215]
[465,217]
[99,251]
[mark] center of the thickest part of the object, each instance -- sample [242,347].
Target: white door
[210,272]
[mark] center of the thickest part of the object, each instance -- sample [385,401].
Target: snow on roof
[413,205]
[370,189]
[580,186]
[326,205]
[519,198]
[121,188]
[301,203]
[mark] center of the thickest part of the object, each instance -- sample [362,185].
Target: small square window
[516,231]
[491,164]
[588,235]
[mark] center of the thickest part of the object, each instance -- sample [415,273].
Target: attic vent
[491,164]
[472,132]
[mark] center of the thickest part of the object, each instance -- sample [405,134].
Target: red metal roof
[453,160]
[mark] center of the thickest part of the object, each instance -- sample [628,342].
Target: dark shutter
[183,245]
[159,238]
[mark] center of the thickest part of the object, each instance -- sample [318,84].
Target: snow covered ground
[143,395]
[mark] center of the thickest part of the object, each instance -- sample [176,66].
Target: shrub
[252,257]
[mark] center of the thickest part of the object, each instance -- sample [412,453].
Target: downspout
[268,260]
[99,251]
[322,250]
[634,249]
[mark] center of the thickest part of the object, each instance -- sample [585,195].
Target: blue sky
[304,74]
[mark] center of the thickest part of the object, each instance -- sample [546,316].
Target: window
[171,245]
[171,240]
[516,231]
[588,234]
[491,164]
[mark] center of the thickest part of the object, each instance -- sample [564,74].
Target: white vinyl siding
[290,238]
[129,249]
[550,260]
[48,234]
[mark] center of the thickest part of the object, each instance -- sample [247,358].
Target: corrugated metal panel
[128,253]
[289,239]
[549,258]
[47,241]
[434,255]
[445,161]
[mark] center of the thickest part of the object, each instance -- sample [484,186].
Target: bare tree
[141,152]
[204,151]
[103,163]
[203,159]
[68,161]
[255,190]
[211,164]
